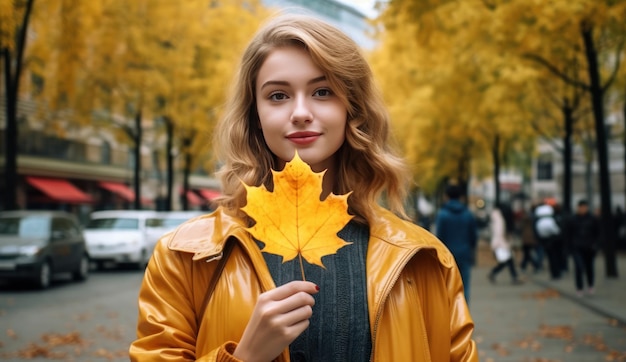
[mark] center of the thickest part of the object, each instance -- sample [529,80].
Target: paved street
[539,321]
[544,321]
[90,321]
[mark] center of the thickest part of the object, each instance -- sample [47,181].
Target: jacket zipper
[401,266]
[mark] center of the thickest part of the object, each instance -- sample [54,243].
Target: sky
[366,6]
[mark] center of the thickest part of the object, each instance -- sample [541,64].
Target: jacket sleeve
[166,327]
[462,346]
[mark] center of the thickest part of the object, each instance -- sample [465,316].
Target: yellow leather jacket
[415,294]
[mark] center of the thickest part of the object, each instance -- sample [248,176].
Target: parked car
[120,237]
[35,245]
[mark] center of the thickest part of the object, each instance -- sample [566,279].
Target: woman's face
[298,110]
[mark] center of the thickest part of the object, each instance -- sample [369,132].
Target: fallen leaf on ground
[560,332]
[544,294]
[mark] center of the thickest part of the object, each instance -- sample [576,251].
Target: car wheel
[100,265]
[44,275]
[82,272]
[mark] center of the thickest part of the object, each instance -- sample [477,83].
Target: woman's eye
[278,96]
[324,92]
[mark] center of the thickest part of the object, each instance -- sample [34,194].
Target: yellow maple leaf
[292,220]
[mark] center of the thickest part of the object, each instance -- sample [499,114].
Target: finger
[295,316]
[291,288]
[290,303]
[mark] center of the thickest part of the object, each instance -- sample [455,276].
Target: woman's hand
[279,317]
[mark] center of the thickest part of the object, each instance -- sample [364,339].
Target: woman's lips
[303,138]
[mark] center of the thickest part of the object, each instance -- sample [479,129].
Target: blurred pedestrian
[502,226]
[548,234]
[455,225]
[581,237]
[529,243]
[563,256]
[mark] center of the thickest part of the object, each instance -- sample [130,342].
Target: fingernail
[317,287]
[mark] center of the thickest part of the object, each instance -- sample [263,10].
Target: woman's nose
[301,110]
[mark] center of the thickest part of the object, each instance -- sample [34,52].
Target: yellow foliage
[9,15]
[157,58]
[474,58]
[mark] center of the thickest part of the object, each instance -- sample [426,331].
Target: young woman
[394,294]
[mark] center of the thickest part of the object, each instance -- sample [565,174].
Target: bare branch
[549,140]
[556,71]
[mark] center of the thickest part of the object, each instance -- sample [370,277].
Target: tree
[136,62]
[501,42]
[450,88]
[204,52]
[14,21]
[580,25]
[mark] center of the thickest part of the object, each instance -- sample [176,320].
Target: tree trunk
[589,182]
[10,137]
[567,158]
[624,146]
[495,152]
[186,172]
[12,85]
[597,95]
[169,131]
[137,166]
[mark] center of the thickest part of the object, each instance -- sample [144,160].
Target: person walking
[211,292]
[529,243]
[581,233]
[456,226]
[502,225]
[549,235]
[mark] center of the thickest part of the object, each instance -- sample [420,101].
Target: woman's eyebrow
[317,80]
[285,83]
[274,82]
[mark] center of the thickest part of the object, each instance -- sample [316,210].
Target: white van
[121,236]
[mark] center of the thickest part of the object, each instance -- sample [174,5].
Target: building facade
[548,171]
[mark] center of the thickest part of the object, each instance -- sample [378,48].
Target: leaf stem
[301,266]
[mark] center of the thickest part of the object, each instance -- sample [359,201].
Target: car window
[65,226]
[114,223]
[25,226]
[154,222]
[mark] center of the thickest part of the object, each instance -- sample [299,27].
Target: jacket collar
[206,235]
[404,234]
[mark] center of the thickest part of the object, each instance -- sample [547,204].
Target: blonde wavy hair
[366,164]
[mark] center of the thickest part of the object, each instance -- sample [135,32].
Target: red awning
[194,199]
[209,194]
[119,189]
[60,190]
[122,190]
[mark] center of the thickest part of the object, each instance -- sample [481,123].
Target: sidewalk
[544,320]
[609,299]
